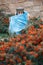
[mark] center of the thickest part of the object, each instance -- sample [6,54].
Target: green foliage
[3,25]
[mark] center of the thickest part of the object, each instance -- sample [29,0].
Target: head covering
[20,9]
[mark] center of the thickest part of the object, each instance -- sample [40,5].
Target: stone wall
[34,7]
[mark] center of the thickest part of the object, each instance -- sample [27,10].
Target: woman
[19,21]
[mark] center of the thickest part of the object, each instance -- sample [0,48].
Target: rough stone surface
[34,7]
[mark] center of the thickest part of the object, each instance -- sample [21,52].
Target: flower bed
[25,49]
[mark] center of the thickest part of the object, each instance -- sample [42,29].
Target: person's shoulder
[26,12]
[13,16]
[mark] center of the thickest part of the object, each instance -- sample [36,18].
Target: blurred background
[34,7]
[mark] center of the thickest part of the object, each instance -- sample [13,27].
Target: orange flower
[28,62]
[18,38]
[9,43]
[36,49]
[24,58]
[13,39]
[27,39]
[34,42]
[22,41]
[1,43]
[11,60]
[39,46]
[41,26]
[2,48]
[35,55]
[21,48]
[1,58]
[31,52]
[33,32]
[8,64]
[2,64]
[19,60]
[6,20]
